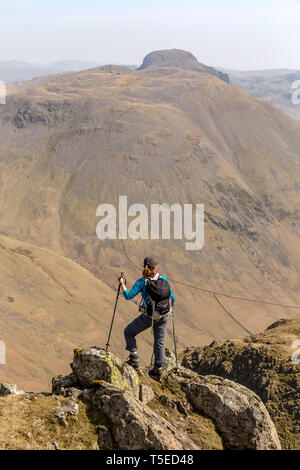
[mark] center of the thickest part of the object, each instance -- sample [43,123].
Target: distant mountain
[179,59]
[272,86]
[257,73]
[12,71]
[73,65]
[20,74]
[14,64]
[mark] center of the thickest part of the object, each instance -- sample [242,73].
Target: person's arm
[136,289]
[172,295]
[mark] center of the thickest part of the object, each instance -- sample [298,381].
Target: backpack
[159,294]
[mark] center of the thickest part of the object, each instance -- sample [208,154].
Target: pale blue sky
[237,34]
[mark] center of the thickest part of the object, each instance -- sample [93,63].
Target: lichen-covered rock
[93,365]
[238,413]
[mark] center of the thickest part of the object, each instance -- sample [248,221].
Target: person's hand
[122,281]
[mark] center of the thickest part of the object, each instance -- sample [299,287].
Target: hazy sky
[240,34]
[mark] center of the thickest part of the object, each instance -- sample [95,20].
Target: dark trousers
[140,324]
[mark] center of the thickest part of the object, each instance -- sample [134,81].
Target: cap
[150,261]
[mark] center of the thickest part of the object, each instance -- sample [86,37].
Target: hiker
[157,297]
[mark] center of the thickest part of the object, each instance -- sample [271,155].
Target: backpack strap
[151,302]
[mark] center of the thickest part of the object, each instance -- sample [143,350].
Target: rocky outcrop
[126,400]
[239,414]
[9,389]
[263,364]
[179,59]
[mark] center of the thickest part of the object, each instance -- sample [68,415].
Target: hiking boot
[133,362]
[156,373]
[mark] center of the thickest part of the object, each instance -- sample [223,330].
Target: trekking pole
[174,337]
[113,317]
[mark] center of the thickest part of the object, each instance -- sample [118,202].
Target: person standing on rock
[157,301]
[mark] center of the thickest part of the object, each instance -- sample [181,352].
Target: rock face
[179,59]
[137,427]
[116,389]
[239,414]
[263,364]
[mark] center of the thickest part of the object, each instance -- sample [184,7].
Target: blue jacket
[140,286]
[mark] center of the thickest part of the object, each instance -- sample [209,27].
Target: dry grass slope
[75,140]
[48,306]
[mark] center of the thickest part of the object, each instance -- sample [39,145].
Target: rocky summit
[105,404]
[179,59]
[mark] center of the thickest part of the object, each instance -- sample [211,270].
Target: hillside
[263,363]
[12,71]
[48,306]
[73,141]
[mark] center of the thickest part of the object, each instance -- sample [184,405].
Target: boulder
[9,389]
[239,414]
[137,427]
[92,366]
